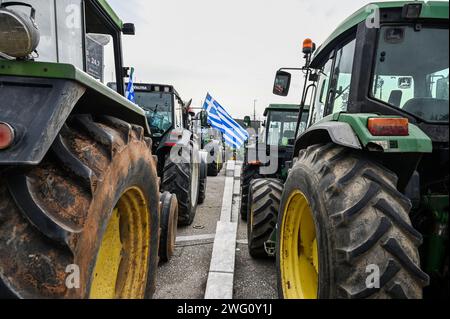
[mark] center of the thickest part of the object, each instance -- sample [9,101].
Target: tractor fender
[176,137]
[339,133]
[36,109]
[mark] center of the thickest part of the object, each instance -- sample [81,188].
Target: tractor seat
[395,98]
[289,134]
[428,108]
[287,137]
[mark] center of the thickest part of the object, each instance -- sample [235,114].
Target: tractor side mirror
[248,121]
[282,83]
[263,123]
[204,118]
[129,29]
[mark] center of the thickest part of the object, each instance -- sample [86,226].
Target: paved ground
[185,276]
[253,279]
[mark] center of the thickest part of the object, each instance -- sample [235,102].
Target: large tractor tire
[213,169]
[249,173]
[181,177]
[344,230]
[85,222]
[169,221]
[264,203]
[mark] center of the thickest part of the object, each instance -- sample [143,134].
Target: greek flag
[234,135]
[129,94]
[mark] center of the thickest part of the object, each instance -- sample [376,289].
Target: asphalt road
[185,276]
[253,279]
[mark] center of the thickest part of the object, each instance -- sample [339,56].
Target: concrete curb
[221,271]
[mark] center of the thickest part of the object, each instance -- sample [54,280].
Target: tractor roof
[105,6]
[281,107]
[153,87]
[430,10]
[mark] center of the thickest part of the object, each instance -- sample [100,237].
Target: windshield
[282,125]
[211,134]
[159,110]
[411,71]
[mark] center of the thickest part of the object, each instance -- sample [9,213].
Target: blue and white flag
[234,135]
[129,93]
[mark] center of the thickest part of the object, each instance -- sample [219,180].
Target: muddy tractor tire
[344,230]
[181,177]
[169,222]
[249,173]
[84,223]
[264,203]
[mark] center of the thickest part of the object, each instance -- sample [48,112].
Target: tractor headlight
[19,34]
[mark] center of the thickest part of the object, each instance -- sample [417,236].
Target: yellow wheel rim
[299,262]
[121,267]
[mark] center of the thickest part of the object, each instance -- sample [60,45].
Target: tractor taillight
[6,135]
[388,126]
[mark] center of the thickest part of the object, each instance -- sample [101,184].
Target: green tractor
[79,193]
[276,147]
[264,171]
[364,209]
[181,164]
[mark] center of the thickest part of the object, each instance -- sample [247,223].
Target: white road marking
[183,239]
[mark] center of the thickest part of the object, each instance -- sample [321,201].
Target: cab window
[70,32]
[417,84]
[282,127]
[322,92]
[158,109]
[100,59]
[61,28]
[342,76]
[101,41]
[178,112]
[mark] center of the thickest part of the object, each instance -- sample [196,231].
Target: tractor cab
[270,155]
[396,100]
[211,141]
[279,133]
[162,106]
[281,124]
[164,109]
[82,33]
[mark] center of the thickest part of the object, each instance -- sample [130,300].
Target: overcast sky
[230,48]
